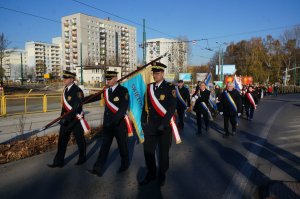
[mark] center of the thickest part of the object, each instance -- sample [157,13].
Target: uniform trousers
[163,142]
[199,120]
[63,139]
[232,119]
[121,135]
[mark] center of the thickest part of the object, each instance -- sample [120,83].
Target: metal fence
[33,103]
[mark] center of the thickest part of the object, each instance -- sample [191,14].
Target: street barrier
[33,103]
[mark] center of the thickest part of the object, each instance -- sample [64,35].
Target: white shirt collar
[114,87]
[69,87]
[158,84]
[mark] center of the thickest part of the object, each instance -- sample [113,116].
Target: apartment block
[177,54]
[12,64]
[93,41]
[45,58]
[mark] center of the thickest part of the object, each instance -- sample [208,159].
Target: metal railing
[33,103]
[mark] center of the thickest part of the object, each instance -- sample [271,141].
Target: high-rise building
[12,64]
[176,60]
[45,58]
[100,42]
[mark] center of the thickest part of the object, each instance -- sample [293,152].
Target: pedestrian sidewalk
[17,125]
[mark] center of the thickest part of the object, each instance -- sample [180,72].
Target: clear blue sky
[196,19]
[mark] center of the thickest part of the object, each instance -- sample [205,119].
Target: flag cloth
[137,86]
[237,83]
[210,87]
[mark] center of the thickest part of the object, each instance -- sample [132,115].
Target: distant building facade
[177,54]
[45,58]
[99,41]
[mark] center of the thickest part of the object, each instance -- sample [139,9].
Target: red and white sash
[162,112]
[115,109]
[249,96]
[80,117]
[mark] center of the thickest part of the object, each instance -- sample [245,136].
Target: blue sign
[186,77]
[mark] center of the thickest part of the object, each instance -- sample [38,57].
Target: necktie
[156,87]
[109,91]
[66,90]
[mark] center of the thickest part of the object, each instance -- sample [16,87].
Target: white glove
[239,114]
[221,113]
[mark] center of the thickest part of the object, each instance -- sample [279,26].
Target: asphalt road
[207,166]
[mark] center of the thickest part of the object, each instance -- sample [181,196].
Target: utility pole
[144,41]
[285,77]
[81,71]
[219,68]
[222,78]
[21,69]
[295,74]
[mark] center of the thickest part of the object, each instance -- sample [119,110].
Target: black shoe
[96,173]
[54,165]
[161,180]
[123,168]
[81,161]
[207,129]
[226,135]
[147,179]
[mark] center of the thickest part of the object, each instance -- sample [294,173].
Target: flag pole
[98,93]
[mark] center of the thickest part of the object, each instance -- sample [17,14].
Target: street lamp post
[221,55]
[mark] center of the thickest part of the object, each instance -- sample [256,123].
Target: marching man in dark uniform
[115,123]
[230,107]
[158,123]
[74,122]
[251,102]
[183,101]
[200,101]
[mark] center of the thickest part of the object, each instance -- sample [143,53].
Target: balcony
[66,24]
[67,46]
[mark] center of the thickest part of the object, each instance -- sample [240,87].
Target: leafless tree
[4,43]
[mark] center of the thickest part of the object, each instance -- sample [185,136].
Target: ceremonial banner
[210,87]
[237,83]
[137,86]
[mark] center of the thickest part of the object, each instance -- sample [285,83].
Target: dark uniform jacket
[247,100]
[185,94]
[203,96]
[74,97]
[120,98]
[225,105]
[151,120]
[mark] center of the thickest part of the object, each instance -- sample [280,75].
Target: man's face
[158,76]
[68,81]
[180,84]
[112,81]
[202,86]
[230,87]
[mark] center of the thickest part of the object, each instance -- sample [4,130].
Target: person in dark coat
[218,92]
[230,107]
[200,102]
[73,122]
[114,123]
[251,101]
[159,108]
[183,101]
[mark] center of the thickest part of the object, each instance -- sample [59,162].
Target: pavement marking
[289,145]
[239,181]
[286,137]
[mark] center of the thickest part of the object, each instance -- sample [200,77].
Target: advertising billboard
[227,69]
[186,77]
